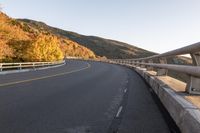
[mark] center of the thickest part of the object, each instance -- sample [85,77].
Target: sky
[155,25]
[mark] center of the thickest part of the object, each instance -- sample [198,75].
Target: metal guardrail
[193,84]
[24,65]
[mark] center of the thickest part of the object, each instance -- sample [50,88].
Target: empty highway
[79,97]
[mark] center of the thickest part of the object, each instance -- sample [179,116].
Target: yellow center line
[44,77]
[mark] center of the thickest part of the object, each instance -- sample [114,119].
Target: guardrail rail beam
[193,84]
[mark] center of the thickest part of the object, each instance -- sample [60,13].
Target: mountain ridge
[100,46]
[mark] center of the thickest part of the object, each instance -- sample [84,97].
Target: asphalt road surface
[79,97]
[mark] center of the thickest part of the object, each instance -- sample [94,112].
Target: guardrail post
[150,68]
[196,58]
[162,72]
[142,66]
[20,66]
[34,66]
[132,63]
[123,62]
[1,69]
[117,61]
[193,84]
[126,62]
[137,64]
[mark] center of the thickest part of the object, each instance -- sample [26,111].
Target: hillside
[19,41]
[100,46]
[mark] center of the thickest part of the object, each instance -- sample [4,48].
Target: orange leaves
[45,48]
[5,51]
[19,48]
[20,41]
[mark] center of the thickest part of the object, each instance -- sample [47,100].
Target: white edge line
[119,111]
[125,90]
[44,77]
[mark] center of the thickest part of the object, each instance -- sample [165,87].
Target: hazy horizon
[157,26]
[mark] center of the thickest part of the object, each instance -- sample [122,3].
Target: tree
[5,52]
[44,48]
[19,48]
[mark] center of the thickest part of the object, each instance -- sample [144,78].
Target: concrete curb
[28,70]
[184,113]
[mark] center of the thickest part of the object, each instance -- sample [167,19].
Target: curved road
[80,97]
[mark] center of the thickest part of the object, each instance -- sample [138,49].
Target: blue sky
[156,25]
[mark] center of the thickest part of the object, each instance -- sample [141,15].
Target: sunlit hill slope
[100,46]
[19,41]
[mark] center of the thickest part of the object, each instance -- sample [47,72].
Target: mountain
[19,41]
[100,46]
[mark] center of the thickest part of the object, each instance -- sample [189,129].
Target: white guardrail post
[1,67]
[20,66]
[34,66]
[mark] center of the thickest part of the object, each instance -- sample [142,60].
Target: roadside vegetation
[20,42]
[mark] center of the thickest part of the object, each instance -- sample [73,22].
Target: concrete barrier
[182,100]
[185,114]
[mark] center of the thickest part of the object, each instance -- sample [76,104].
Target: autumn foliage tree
[19,48]
[5,52]
[24,42]
[44,48]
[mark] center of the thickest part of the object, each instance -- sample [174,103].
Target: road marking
[125,90]
[45,77]
[119,111]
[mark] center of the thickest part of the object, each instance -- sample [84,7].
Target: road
[80,97]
